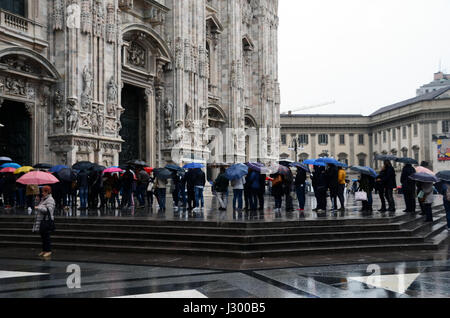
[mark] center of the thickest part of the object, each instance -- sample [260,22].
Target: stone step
[219,244]
[227,253]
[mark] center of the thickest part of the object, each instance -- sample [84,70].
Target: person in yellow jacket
[341,187]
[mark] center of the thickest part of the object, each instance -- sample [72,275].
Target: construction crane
[310,107]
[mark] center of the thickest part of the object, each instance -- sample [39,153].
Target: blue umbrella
[236,171]
[444,175]
[10,165]
[315,163]
[256,166]
[58,168]
[408,161]
[330,161]
[194,166]
[365,170]
[424,177]
[341,164]
[301,166]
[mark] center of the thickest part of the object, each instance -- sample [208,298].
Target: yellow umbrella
[24,169]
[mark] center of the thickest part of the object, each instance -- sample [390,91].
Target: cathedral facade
[113,80]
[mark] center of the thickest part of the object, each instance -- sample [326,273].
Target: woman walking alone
[45,210]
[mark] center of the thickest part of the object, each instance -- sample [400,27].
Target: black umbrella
[386,157]
[444,175]
[424,177]
[407,161]
[83,165]
[162,173]
[137,162]
[174,167]
[43,166]
[66,174]
[98,168]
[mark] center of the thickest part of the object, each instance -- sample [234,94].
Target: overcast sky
[363,54]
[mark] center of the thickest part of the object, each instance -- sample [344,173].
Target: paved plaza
[400,274]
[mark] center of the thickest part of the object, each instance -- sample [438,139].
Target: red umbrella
[8,170]
[148,170]
[38,178]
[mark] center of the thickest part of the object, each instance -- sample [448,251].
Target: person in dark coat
[199,185]
[253,186]
[300,186]
[389,183]
[221,185]
[322,187]
[262,191]
[190,184]
[277,190]
[409,188]
[332,181]
[380,188]
[9,189]
[176,188]
[314,182]
[367,184]
[127,188]
[288,182]
[83,184]
[247,193]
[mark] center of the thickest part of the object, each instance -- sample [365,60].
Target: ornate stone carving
[111,23]
[179,53]
[86,121]
[58,119]
[15,86]
[187,55]
[99,19]
[73,16]
[58,15]
[168,113]
[111,104]
[126,4]
[136,55]
[29,107]
[86,16]
[188,116]
[86,97]
[72,115]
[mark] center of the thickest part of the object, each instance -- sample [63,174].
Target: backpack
[277,181]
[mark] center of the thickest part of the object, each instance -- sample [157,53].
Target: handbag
[47,225]
[361,196]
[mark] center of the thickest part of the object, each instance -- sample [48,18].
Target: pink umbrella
[112,170]
[421,169]
[38,178]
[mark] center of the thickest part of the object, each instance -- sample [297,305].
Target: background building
[441,80]
[403,129]
[109,81]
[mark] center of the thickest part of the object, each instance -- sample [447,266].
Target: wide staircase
[233,239]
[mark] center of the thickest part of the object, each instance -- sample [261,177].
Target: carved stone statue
[72,115]
[188,117]
[112,96]
[87,90]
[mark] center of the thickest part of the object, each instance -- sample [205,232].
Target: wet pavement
[404,274]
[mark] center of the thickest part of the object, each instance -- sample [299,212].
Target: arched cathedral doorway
[15,136]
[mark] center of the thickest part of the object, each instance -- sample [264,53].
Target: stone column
[313,146]
[351,138]
[150,127]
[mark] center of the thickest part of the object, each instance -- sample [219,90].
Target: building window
[14,6]
[343,157]
[323,139]
[376,138]
[404,132]
[283,139]
[342,139]
[303,157]
[394,134]
[384,136]
[416,153]
[303,139]
[445,126]
[361,139]
[405,152]
[362,159]
[416,130]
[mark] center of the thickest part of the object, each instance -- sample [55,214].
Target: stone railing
[155,13]
[22,28]
[14,21]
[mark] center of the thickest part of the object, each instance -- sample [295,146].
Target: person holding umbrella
[341,186]
[367,184]
[221,188]
[444,176]
[127,187]
[388,180]
[409,188]
[83,184]
[425,183]
[45,210]
[300,186]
